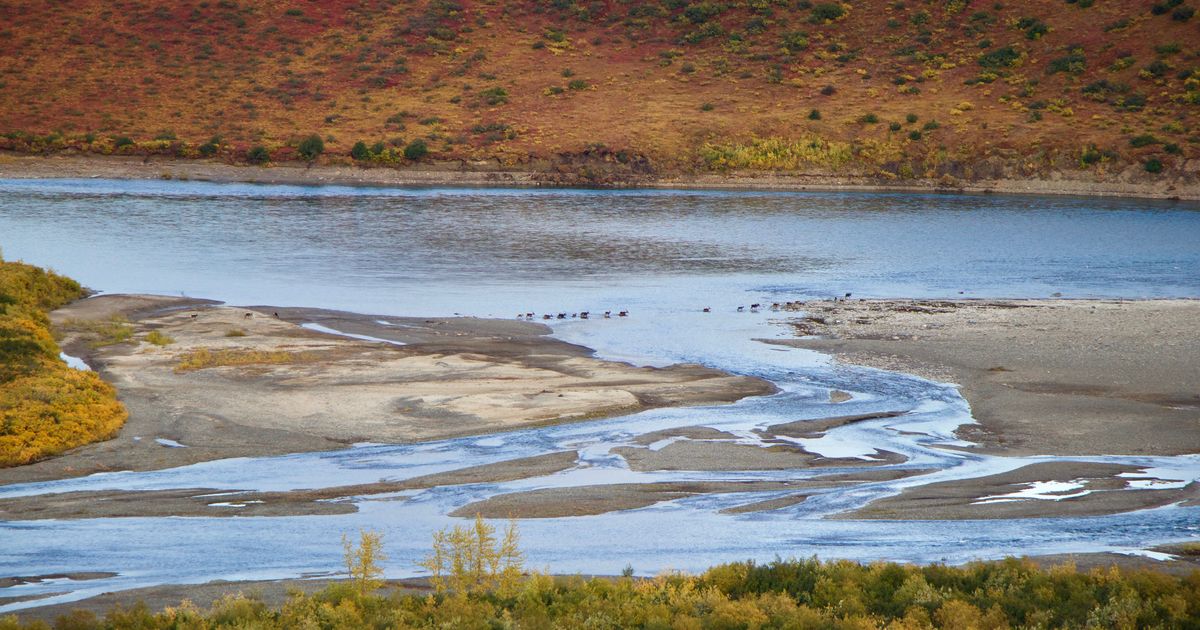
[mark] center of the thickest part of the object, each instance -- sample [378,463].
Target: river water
[661,255]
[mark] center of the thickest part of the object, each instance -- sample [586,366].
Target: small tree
[470,559]
[360,151]
[416,150]
[311,147]
[362,562]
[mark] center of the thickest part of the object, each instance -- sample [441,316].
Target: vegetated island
[1024,96]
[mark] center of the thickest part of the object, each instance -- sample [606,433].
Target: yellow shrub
[45,406]
[202,358]
[159,339]
[54,411]
[777,154]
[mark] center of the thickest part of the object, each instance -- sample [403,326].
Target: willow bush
[46,407]
[794,594]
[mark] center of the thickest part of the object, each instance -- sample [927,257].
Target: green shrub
[1143,140]
[494,96]
[122,141]
[707,31]
[827,12]
[1074,63]
[910,118]
[1183,14]
[1153,165]
[311,147]
[1005,57]
[707,107]
[914,135]
[814,114]
[360,151]
[1033,27]
[702,12]
[577,84]
[869,119]
[795,41]
[416,150]
[210,148]
[894,126]
[1158,68]
[258,154]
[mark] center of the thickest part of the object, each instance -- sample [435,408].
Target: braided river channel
[661,255]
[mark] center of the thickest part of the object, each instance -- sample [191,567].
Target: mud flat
[1042,490]
[1043,377]
[244,382]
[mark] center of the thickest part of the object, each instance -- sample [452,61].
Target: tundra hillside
[614,91]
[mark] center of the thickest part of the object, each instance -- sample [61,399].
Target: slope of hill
[615,90]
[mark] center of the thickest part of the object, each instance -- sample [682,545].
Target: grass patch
[203,358]
[101,332]
[159,339]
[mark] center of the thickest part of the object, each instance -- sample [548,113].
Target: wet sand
[600,499]
[312,391]
[1043,377]
[209,502]
[1059,489]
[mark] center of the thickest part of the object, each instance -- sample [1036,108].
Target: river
[663,255]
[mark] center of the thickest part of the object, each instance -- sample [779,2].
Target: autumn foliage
[46,407]
[793,594]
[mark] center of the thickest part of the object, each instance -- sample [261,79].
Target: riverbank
[1084,586]
[1127,183]
[1043,377]
[246,382]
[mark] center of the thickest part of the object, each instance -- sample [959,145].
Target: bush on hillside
[311,147]
[416,150]
[258,155]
